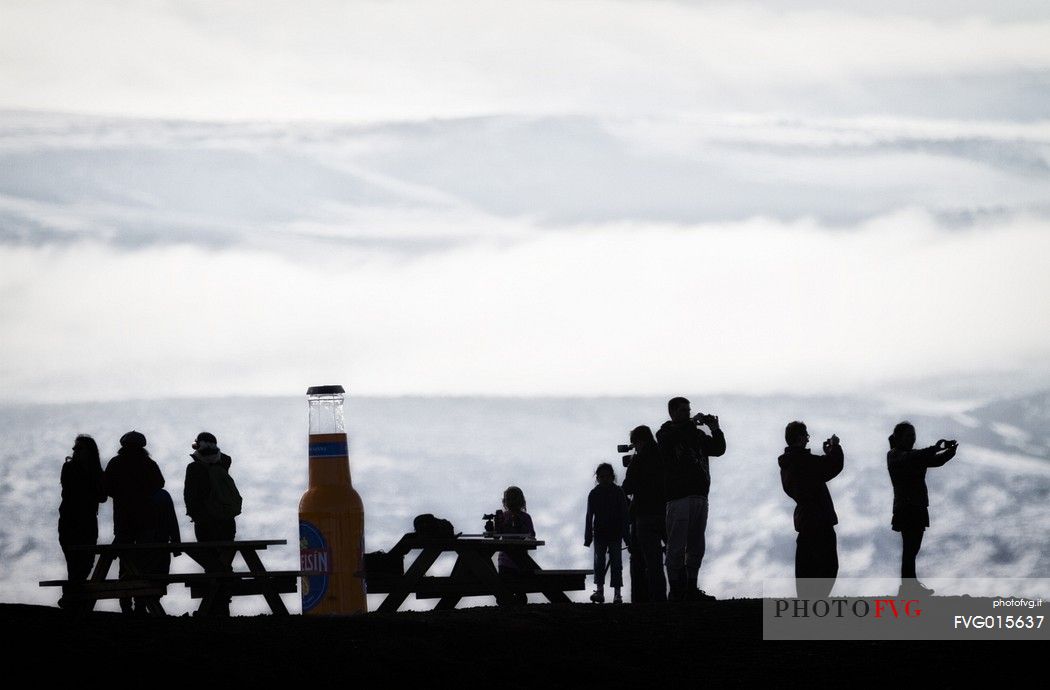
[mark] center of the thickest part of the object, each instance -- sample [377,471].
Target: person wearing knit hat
[133,439]
[212,501]
[132,478]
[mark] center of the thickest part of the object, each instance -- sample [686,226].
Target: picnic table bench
[212,588]
[473,573]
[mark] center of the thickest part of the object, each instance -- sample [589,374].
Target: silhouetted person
[165,526]
[512,520]
[82,491]
[212,502]
[685,450]
[132,478]
[606,526]
[804,477]
[911,500]
[644,482]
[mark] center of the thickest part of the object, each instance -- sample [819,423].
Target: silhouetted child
[162,528]
[606,527]
[911,500]
[513,520]
[166,530]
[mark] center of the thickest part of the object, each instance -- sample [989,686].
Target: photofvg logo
[842,608]
[962,609]
[315,560]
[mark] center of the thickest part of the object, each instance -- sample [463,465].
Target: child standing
[606,527]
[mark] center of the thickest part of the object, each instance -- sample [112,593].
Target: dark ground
[570,645]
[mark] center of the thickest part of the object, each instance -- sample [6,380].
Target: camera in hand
[625,448]
[491,519]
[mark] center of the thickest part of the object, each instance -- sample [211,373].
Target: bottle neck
[329,460]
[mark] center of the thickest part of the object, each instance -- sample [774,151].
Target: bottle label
[315,560]
[328,446]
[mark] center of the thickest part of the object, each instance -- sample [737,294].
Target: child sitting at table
[513,520]
[606,527]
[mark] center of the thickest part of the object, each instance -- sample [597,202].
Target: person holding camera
[685,449]
[911,499]
[805,478]
[644,483]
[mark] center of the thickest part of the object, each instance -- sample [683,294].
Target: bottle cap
[325,390]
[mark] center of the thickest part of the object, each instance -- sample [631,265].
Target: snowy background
[453,457]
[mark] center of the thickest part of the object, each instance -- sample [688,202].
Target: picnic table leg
[407,583]
[255,565]
[101,571]
[524,561]
[154,606]
[449,601]
[209,599]
[197,558]
[98,574]
[207,562]
[482,568]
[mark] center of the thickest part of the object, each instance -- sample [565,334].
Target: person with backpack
[212,501]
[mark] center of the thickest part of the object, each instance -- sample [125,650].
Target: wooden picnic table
[473,573]
[212,588]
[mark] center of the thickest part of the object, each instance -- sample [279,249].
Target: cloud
[755,306]
[517,255]
[421,185]
[415,59]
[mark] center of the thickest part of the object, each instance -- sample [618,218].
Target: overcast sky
[408,59]
[578,197]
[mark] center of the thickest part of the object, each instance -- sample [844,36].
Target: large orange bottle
[331,515]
